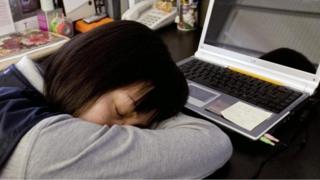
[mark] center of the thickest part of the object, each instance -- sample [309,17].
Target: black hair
[112,56]
[291,58]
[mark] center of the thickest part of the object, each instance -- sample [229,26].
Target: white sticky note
[245,115]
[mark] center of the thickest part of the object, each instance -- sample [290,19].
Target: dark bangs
[110,57]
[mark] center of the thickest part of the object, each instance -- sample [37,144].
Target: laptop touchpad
[200,96]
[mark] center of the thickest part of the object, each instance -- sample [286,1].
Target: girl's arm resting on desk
[180,147]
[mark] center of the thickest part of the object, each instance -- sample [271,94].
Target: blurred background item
[187,19]
[46,5]
[154,14]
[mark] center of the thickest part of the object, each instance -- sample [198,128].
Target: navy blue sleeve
[21,107]
[12,77]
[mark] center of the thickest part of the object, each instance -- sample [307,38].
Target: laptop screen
[256,27]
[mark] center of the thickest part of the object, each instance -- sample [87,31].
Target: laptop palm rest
[210,103]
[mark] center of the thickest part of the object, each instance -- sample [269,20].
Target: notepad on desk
[245,116]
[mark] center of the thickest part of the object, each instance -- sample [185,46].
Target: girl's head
[119,65]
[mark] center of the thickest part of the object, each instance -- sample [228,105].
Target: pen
[255,75]
[267,141]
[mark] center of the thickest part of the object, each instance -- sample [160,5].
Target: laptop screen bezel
[298,79]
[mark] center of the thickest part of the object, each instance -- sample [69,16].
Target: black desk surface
[298,154]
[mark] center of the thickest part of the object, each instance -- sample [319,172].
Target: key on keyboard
[260,93]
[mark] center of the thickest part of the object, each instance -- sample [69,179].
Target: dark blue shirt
[21,107]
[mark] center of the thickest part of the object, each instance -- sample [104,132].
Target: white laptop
[235,34]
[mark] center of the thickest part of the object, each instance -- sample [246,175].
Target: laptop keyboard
[263,94]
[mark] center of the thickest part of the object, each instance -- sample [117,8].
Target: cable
[302,129]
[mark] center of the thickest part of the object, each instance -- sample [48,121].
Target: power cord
[302,130]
